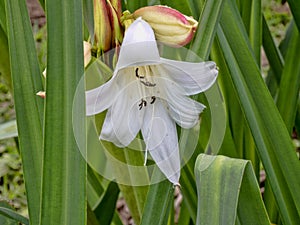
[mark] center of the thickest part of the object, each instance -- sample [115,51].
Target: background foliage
[261,100]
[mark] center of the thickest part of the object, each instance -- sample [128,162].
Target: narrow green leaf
[270,134]
[272,52]
[29,108]
[295,8]
[186,7]
[207,27]
[94,188]
[227,189]
[88,13]
[8,130]
[252,17]
[4,59]
[290,82]
[157,206]
[106,209]
[13,217]
[134,5]
[3,17]
[91,218]
[64,169]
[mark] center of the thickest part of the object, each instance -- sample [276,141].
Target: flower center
[144,80]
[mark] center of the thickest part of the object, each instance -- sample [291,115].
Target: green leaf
[106,209]
[134,5]
[295,8]
[8,130]
[9,217]
[4,59]
[64,169]
[272,52]
[29,108]
[228,191]
[268,129]
[207,27]
[3,23]
[186,7]
[158,202]
[290,82]
[88,13]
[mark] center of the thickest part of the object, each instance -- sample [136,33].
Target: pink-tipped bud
[102,28]
[170,26]
[117,30]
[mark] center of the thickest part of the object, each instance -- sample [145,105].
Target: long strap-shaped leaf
[26,82]
[272,139]
[11,216]
[228,191]
[64,170]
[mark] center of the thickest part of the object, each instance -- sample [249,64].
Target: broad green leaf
[271,137]
[228,191]
[29,108]
[9,217]
[290,82]
[8,130]
[64,169]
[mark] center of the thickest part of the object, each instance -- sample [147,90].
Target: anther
[143,103]
[152,99]
[147,83]
[137,74]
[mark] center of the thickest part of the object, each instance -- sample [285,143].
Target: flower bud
[114,16]
[170,26]
[102,28]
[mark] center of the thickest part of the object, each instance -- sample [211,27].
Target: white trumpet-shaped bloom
[148,93]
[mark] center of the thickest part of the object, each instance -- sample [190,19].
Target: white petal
[160,135]
[100,98]
[193,77]
[182,109]
[124,119]
[139,46]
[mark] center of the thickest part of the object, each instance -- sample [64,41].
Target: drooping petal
[139,46]
[160,135]
[181,108]
[193,77]
[124,118]
[100,98]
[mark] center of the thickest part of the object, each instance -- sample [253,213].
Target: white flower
[150,93]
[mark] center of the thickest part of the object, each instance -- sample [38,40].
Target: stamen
[153,98]
[148,84]
[137,75]
[143,103]
[146,156]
